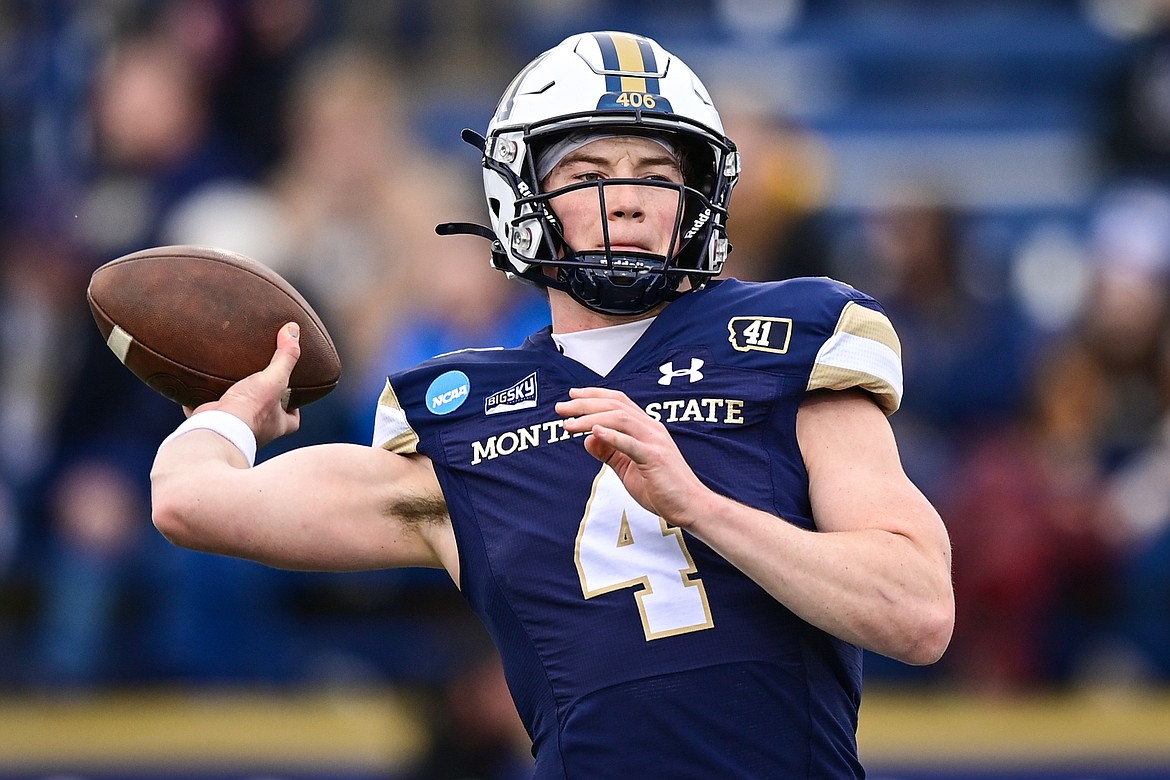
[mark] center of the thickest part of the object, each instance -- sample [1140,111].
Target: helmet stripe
[627,60]
[649,63]
[629,56]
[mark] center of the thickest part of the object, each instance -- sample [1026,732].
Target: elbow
[170,516]
[168,522]
[929,636]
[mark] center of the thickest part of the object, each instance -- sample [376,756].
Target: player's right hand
[260,399]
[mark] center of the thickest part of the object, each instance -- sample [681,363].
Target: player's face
[639,218]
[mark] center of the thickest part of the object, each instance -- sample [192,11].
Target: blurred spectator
[1145,586]
[360,196]
[1137,132]
[468,305]
[41,283]
[1126,311]
[778,230]
[1140,491]
[1042,548]
[249,51]
[966,351]
[97,513]
[155,146]
[1035,544]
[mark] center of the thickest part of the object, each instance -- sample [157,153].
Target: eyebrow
[585,157]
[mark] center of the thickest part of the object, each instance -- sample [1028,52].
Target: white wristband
[226,425]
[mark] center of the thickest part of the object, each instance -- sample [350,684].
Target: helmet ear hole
[494,205]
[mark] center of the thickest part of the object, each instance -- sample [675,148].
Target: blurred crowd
[317,137]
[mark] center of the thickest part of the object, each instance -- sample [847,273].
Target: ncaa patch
[448,392]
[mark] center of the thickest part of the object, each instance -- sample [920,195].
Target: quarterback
[679,511]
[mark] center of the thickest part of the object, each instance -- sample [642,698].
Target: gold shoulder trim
[864,351]
[392,431]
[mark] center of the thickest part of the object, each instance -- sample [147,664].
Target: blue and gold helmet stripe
[628,61]
[630,74]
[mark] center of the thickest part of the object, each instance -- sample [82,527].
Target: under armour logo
[669,372]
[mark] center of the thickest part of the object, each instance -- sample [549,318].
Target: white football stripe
[119,341]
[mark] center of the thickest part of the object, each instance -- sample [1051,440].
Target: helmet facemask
[618,281]
[623,281]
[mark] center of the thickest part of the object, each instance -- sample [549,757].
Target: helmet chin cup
[617,284]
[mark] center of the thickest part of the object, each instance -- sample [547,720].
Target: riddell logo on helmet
[545,211]
[700,220]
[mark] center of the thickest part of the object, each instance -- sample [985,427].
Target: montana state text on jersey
[611,620]
[711,410]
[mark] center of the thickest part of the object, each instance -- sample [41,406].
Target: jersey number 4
[621,545]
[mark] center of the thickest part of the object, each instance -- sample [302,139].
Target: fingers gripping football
[262,398]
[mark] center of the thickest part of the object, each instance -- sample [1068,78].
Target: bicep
[326,507]
[856,479]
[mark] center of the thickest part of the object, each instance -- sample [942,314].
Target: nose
[624,201]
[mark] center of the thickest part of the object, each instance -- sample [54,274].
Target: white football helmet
[606,83]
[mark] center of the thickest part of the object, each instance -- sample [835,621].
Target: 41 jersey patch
[765,334]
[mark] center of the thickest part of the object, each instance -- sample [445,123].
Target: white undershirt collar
[600,349]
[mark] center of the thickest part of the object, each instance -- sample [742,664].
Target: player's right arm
[326,507]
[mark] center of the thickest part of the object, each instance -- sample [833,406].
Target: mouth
[619,248]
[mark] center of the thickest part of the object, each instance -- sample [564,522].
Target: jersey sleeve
[864,352]
[392,428]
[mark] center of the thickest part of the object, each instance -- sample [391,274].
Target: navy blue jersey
[631,648]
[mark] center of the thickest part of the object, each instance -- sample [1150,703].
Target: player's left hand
[638,448]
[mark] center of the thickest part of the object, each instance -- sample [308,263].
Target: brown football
[190,321]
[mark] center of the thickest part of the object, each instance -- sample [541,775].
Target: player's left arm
[881,548]
[877,571]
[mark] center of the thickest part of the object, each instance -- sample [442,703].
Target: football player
[679,511]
